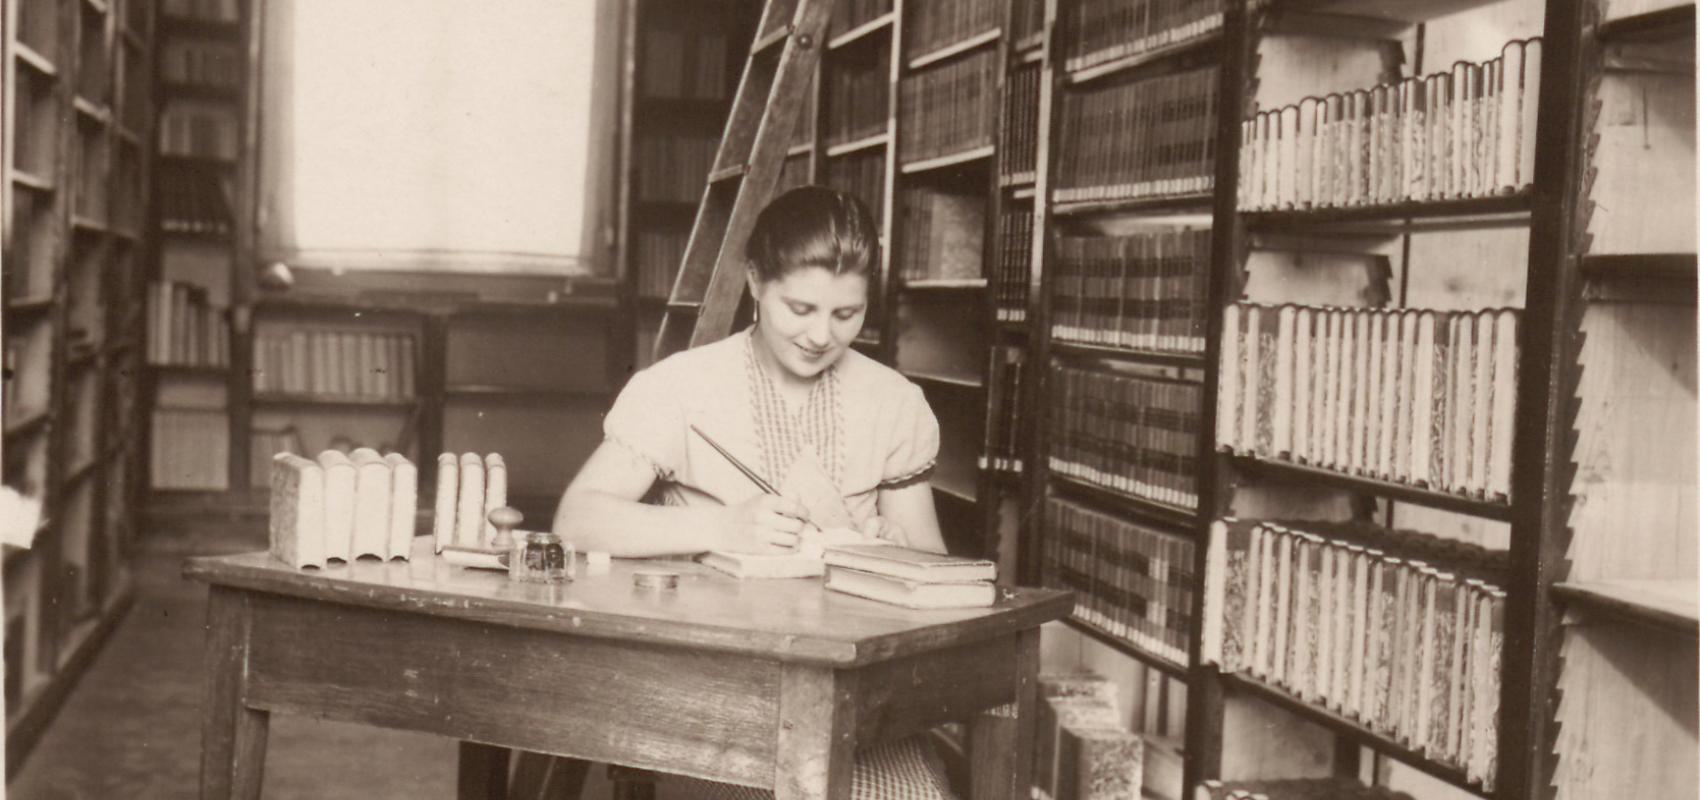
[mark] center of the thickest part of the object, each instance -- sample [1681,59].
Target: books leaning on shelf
[658,255]
[1013,271]
[941,234]
[674,169]
[942,23]
[1018,141]
[198,130]
[855,92]
[210,10]
[193,200]
[1465,133]
[1295,789]
[342,506]
[910,578]
[1129,580]
[1145,138]
[1419,397]
[1133,435]
[190,448]
[947,109]
[1410,651]
[216,65]
[363,364]
[1081,750]
[1145,291]
[1100,31]
[184,329]
[862,174]
[685,57]
[1003,443]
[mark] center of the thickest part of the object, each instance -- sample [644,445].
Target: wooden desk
[762,683]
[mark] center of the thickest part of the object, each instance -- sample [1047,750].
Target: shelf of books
[200,75]
[75,191]
[1253,286]
[683,62]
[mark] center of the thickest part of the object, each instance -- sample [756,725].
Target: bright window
[438,134]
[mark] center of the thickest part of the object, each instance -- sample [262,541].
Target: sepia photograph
[849,400]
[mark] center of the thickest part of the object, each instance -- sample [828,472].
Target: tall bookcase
[78,118]
[1191,122]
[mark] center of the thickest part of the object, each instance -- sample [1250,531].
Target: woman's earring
[755,314]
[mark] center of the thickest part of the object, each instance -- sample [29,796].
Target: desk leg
[1001,749]
[233,736]
[817,733]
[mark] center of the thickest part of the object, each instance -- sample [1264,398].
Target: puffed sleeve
[648,420]
[914,446]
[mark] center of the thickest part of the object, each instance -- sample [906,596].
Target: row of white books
[1420,397]
[362,364]
[1410,651]
[1465,133]
[342,506]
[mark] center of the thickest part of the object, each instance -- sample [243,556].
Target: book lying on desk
[911,593]
[916,565]
[749,565]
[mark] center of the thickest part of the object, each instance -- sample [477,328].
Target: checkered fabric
[906,769]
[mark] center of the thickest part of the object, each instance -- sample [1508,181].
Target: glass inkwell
[533,556]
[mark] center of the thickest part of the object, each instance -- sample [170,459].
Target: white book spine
[404,504]
[495,492]
[469,511]
[372,489]
[448,493]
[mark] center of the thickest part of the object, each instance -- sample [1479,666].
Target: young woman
[788,387]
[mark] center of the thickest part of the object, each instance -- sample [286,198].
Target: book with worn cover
[910,564]
[750,565]
[911,593]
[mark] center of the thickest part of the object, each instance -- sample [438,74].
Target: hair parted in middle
[814,226]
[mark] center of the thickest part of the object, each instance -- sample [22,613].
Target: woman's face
[809,316]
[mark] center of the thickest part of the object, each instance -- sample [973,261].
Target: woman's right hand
[763,525]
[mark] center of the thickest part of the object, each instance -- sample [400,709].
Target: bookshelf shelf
[1023,193]
[188,370]
[1349,728]
[950,160]
[1083,350]
[30,180]
[943,284]
[941,379]
[956,48]
[201,91]
[522,393]
[1033,45]
[1182,520]
[864,143]
[1671,605]
[800,150]
[862,31]
[1486,509]
[1665,23]
[29,305]
[1409,12]
[1165,203]
[1018,181]
[1151,56]
[1475,212]
[25,423]
[1654,266]
[1127,648]
[329,401]
[198,27]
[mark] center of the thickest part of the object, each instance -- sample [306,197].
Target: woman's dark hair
[813,226]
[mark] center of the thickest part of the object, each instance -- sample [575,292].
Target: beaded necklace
[784,436]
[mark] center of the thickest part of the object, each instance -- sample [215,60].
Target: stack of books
[910,578]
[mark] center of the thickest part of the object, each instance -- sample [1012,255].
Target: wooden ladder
[777,76]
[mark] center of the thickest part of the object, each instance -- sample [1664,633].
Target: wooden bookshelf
[75,187]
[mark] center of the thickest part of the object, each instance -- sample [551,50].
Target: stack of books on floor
[1081,749]
[1296,789]
[910,578]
